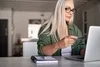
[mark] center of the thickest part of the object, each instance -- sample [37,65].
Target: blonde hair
[56,19]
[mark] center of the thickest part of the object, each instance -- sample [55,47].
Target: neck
[68,27]
[67,23]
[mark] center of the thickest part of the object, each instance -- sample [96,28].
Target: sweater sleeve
[79,44]
[44,39]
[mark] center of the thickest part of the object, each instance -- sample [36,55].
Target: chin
[67,20]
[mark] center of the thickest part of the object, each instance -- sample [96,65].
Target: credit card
[82,37]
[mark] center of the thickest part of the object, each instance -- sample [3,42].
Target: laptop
[92,47]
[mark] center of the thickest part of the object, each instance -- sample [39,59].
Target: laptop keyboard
[79,58]
[82,57]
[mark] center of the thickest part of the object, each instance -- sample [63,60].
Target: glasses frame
[68,10]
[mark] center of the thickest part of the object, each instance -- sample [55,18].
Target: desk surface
[27,62]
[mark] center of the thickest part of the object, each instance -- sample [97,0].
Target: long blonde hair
[56,19]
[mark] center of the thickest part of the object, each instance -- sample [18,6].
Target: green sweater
[45,39]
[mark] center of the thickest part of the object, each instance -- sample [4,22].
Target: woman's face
[69,10]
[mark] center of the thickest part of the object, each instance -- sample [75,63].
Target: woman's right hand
[67,41]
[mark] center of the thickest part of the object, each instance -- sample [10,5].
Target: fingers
[73,37]
[67,41]
[70,40]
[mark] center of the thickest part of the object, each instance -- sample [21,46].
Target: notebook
[43,59]
[92,47]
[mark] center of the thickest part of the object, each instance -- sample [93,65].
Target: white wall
[7,14]
[20,20]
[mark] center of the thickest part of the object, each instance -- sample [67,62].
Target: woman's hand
[63,43]
[82,52]
[67,41]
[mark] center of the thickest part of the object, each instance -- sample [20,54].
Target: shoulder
[76,30]
[75,27]
[42,28]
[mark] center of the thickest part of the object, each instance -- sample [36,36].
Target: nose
[71,13]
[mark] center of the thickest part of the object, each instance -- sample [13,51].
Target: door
[3,37]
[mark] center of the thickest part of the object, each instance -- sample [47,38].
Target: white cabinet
[29,49]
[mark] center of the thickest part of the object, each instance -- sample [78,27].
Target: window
[33,28]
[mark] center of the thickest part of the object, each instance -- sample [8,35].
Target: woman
[58,36]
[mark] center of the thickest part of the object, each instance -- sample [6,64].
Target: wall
[20,19]
[87,7]
[98,14]
[7,14]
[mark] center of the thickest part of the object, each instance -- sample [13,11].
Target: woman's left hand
[82,52]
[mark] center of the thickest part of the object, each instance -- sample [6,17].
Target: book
[43,59]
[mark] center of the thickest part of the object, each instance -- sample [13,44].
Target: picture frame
[35,21]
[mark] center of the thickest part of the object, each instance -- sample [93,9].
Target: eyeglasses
[68,9]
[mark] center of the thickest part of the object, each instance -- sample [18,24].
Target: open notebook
[44,59]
